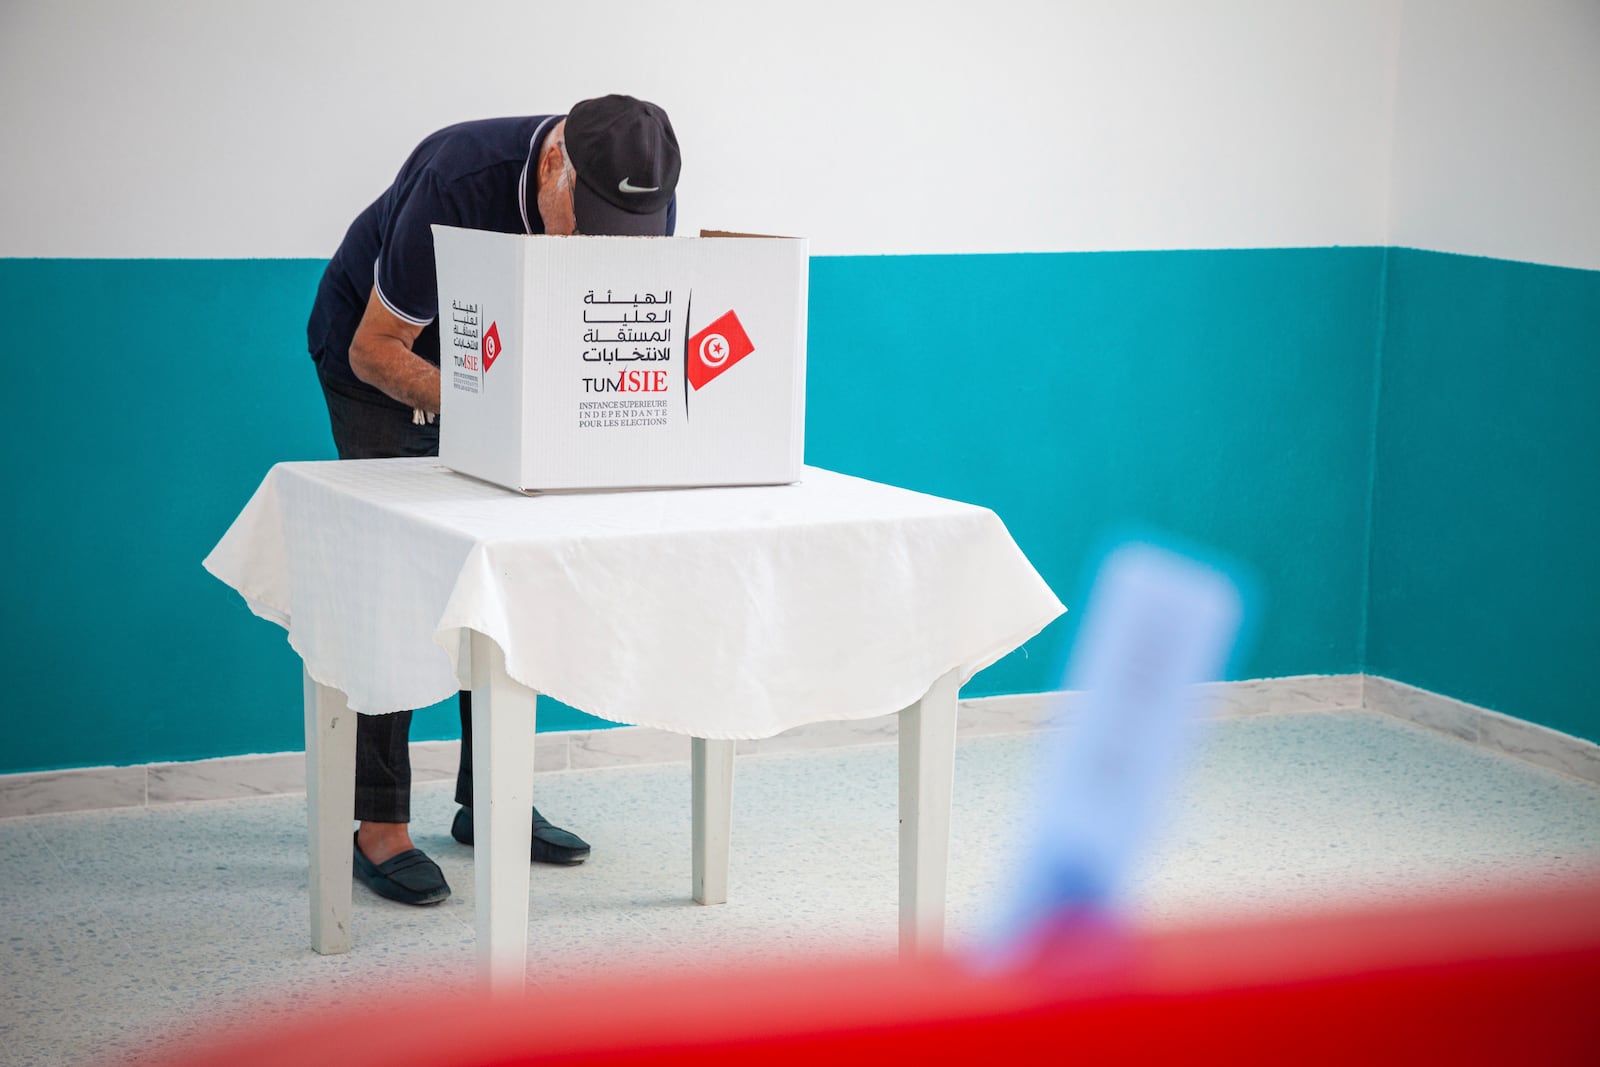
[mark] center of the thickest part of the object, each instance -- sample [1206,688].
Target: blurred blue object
[1157,624]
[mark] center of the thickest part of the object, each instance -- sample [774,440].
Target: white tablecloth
[719,613]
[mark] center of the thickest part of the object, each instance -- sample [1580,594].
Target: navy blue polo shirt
[478,175]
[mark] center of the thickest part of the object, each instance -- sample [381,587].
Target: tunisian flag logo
[716,348]
[491,346]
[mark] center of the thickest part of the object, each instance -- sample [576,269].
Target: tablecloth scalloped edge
[1002,649]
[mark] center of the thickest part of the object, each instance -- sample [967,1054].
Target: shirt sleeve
[404,274]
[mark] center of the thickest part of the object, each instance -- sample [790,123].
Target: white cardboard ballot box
[621,362]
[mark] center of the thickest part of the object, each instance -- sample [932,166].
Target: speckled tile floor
[123,927]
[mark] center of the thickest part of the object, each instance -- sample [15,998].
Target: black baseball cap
[626,156]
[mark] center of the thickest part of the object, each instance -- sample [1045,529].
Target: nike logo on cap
[628,187]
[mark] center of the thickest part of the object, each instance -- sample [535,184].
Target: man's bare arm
[381,356]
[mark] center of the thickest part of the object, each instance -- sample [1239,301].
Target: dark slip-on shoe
[551,844]
[411,877]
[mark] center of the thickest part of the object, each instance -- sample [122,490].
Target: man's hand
[381,356]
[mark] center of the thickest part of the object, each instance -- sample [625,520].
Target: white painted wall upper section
[259,128]
[1497,130]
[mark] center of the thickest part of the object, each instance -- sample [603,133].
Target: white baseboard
[236,777]
[1504,734]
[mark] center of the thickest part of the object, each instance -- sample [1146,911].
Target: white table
[723,614]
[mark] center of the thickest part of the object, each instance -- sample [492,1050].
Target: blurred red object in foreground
[1511,979]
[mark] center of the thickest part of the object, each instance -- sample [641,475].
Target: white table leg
[927,776]
[711,768]
[330,811]
[502,813]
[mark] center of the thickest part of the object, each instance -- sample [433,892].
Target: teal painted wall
[153,396]
[1486,495]
[157,395]
[1222,396]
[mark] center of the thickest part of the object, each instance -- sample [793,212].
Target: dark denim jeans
[364,428]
